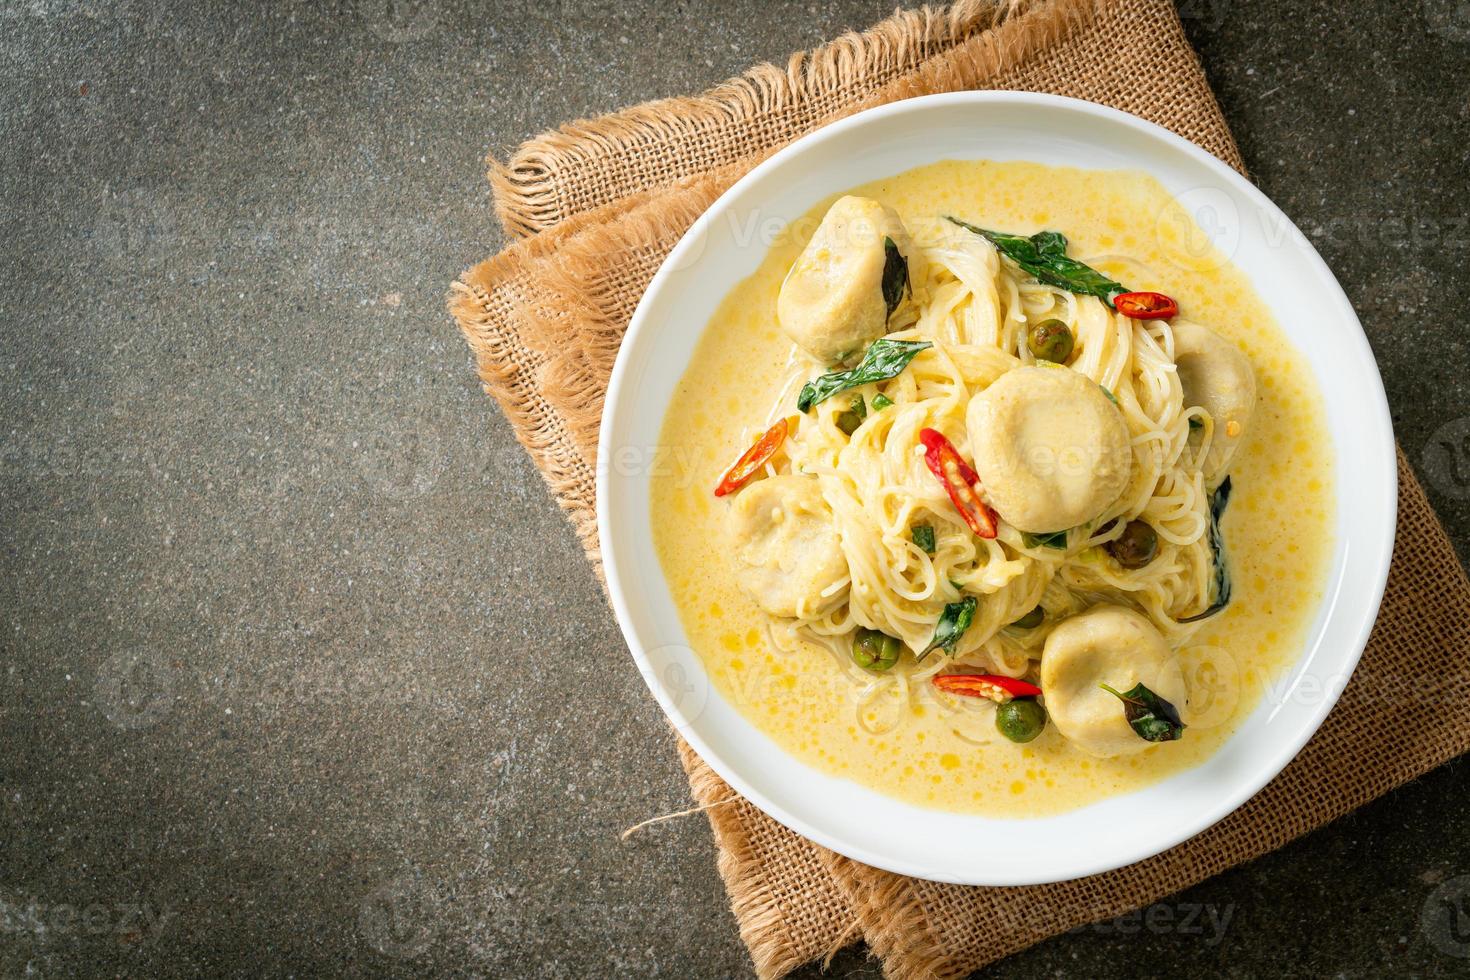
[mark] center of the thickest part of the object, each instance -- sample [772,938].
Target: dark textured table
[303,670]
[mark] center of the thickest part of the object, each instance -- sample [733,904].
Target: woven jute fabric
[594,208]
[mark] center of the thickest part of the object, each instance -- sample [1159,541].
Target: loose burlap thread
[596,206]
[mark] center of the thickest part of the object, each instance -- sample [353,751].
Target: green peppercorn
[1031,620]
[1021,719]
[849,420]
[1050,340]
[872,650]
[1136,546]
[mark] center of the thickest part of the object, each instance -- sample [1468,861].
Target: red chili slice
[996,687]
[755,457]
[959,481]
[1145,306]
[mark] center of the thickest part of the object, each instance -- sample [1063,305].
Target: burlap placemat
[598,204]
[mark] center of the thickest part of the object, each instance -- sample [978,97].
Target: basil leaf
[895,275]
[1052,539]
[1044,255]
[1195,424]
[1049,242]
[923,536]
[1111,397]
[881,402]
[1222,588]
[885,359]
[952,624]
[1151,717]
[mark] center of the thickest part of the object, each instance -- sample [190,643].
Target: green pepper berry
[1031,620]
[872,650]
[1050,340]
[1020,720]
[849,420]
[1136,546]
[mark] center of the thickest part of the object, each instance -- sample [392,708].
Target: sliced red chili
[959,481]
[755,457]
[996,687]
[1145,306]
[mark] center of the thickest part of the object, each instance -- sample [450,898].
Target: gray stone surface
[303,672]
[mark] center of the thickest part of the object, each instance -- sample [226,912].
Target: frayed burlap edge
[532,354]
[565,172]
[529,195]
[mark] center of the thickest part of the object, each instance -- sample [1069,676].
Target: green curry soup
[1276,530]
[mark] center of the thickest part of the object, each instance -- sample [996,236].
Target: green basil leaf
[1052,539]
[895,275]
[881,402]
[1049,242]
[1222,584]
[923,536]
[1195,424]
[1152,718]
[884,359]
[1044,255]
[953,622]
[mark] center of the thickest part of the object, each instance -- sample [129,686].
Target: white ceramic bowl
[721,249]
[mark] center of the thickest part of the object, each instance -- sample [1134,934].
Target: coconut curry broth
[1276,528]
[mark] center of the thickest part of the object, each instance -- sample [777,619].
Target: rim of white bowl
[1240,792]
